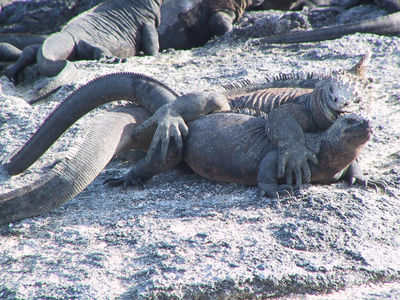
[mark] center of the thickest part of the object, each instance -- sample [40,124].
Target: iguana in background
[109,32]
[188,24]
[389,24]
[12,43]
[166,122]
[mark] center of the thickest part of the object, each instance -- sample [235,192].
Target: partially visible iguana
[109,32]
[389,24]
[188,24]
[12,43]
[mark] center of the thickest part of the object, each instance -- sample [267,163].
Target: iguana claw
[274,190]
[293,160]
[129,179]
[169,124]
[108,59]
[366,182]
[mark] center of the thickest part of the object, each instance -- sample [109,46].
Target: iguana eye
[335,100]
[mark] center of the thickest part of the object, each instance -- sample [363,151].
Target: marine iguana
[73,174]
[389,24]
[237,149]
[109,32]
[296,110]
[188,24]
[140,89]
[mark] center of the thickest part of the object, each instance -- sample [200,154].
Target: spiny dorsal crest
[249,111]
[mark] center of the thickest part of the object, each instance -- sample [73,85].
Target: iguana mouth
[359,128]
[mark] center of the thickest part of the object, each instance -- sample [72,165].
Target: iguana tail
[389,24]
[136,88]
[108,134]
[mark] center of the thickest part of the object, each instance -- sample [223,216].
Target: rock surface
[186,237]
[40,16]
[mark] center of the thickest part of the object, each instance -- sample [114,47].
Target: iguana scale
[111,31]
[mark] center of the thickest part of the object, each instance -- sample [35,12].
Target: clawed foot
[14,75]
[129,179]
[274,190]
[108,59]
[366,183]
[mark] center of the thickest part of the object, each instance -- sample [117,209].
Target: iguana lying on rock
[389,24]
[235,148]
[188,24]
[152,95]
[109,32]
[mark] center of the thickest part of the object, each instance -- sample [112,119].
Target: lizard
[189,24]
[389,24]
[114,87]
[314,107]
[238,150]
[109,32]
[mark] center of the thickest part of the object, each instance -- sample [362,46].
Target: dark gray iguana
[389,24]
[235,148]
[188,24]
[313,107]
[109,32]
[168,118]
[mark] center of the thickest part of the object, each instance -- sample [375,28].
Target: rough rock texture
[40,16]
[186,237]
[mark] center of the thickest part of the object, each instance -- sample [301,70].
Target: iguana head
[340,94]
[349,130]
[343,141]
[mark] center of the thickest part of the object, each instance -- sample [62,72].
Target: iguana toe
[108,59]
[129,179]
[274,191]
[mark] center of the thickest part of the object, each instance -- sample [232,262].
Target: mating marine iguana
[72,175]
[235,148]
[109,32]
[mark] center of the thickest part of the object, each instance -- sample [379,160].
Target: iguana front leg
[285,127]
[168,121]
[267,178]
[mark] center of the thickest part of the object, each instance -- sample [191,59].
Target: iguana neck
[323,116]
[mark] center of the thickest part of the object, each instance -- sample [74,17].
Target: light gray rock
[186,237]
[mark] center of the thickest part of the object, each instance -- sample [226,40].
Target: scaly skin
[389,24]
[108,135]
[109,32]
[137,88]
